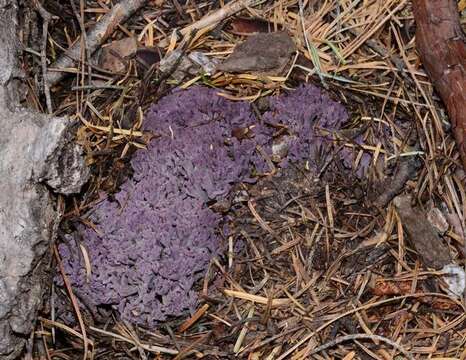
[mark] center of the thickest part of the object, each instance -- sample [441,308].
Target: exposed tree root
[441,44]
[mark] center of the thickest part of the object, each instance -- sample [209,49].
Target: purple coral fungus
[157,237]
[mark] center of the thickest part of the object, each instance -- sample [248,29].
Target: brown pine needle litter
[327,270]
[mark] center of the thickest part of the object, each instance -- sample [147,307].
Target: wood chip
[261,53]
[114,56]
[424,237]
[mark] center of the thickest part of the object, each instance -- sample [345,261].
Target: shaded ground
[326,270]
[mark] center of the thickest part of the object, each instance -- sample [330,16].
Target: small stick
[243,332]
[96,36]
[74,301]
[192,320]
[256,298]
[46,17]
[214,18]
[84,56]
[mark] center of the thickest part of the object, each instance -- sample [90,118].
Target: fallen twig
[96,37]
[256,298]
[215,17]
[74,302]
[46,18]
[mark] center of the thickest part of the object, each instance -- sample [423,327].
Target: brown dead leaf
[248,26]
[261,53]
[148,56]
[114,55]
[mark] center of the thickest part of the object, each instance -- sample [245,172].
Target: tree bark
[37,153]
[94,38]
[441,44]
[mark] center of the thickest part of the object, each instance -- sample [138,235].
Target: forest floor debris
[261,53]
[323,273]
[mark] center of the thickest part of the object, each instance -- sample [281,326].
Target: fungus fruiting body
[157,235]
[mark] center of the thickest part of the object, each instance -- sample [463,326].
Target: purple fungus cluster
[155,238]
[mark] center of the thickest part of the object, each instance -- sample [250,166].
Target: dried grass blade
[256,298]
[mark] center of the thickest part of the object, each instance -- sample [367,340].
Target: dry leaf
[148,56]
[114,55]
[245,26]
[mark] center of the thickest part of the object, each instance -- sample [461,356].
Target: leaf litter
[322,272]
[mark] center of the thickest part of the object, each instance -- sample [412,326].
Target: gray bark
[37,154]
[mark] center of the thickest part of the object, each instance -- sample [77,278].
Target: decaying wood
[37,152]
[96,37]
[422,234]
[441,44]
